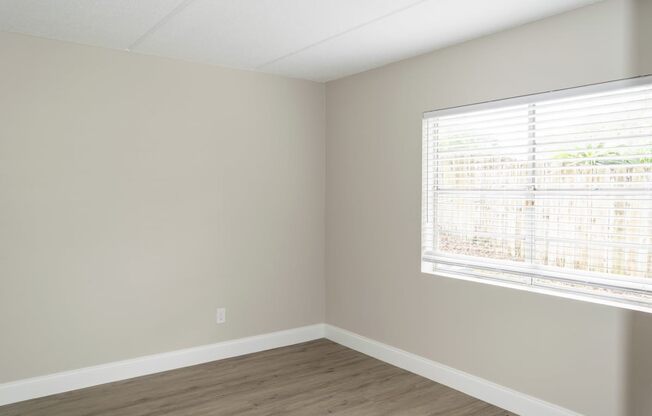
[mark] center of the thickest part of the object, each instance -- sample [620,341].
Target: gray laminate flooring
[314,378]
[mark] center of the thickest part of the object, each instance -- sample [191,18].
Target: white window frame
[525,282]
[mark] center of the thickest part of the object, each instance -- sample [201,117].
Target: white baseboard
[121,370]
[480,388]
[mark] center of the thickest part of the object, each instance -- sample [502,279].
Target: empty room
[325,207]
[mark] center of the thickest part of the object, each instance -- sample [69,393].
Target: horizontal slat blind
[546,191]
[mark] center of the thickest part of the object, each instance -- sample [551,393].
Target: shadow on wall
[638,364]
[641,36]
[638,325]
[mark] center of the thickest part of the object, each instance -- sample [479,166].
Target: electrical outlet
[221,315]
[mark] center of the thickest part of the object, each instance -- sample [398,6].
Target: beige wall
[138,194]
[589,358]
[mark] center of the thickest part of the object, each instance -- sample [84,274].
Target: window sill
[585,297]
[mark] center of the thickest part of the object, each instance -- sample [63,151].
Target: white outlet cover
[221,315]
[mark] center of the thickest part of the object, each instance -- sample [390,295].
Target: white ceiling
[318,40]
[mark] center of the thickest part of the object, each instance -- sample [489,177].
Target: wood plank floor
[314,378]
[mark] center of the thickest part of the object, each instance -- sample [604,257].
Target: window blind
[549,192]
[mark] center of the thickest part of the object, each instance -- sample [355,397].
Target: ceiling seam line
[163,20]
[352,29]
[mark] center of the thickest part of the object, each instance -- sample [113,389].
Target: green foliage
[598,156]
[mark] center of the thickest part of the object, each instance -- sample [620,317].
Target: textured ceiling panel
[311,39]
[247,34]
[109,23]
[427,26]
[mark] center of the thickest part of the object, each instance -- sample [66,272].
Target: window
[549,192]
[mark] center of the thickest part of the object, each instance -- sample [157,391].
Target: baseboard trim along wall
[482,389]
[477,387]
[32,388]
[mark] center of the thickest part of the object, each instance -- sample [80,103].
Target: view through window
[549,192]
